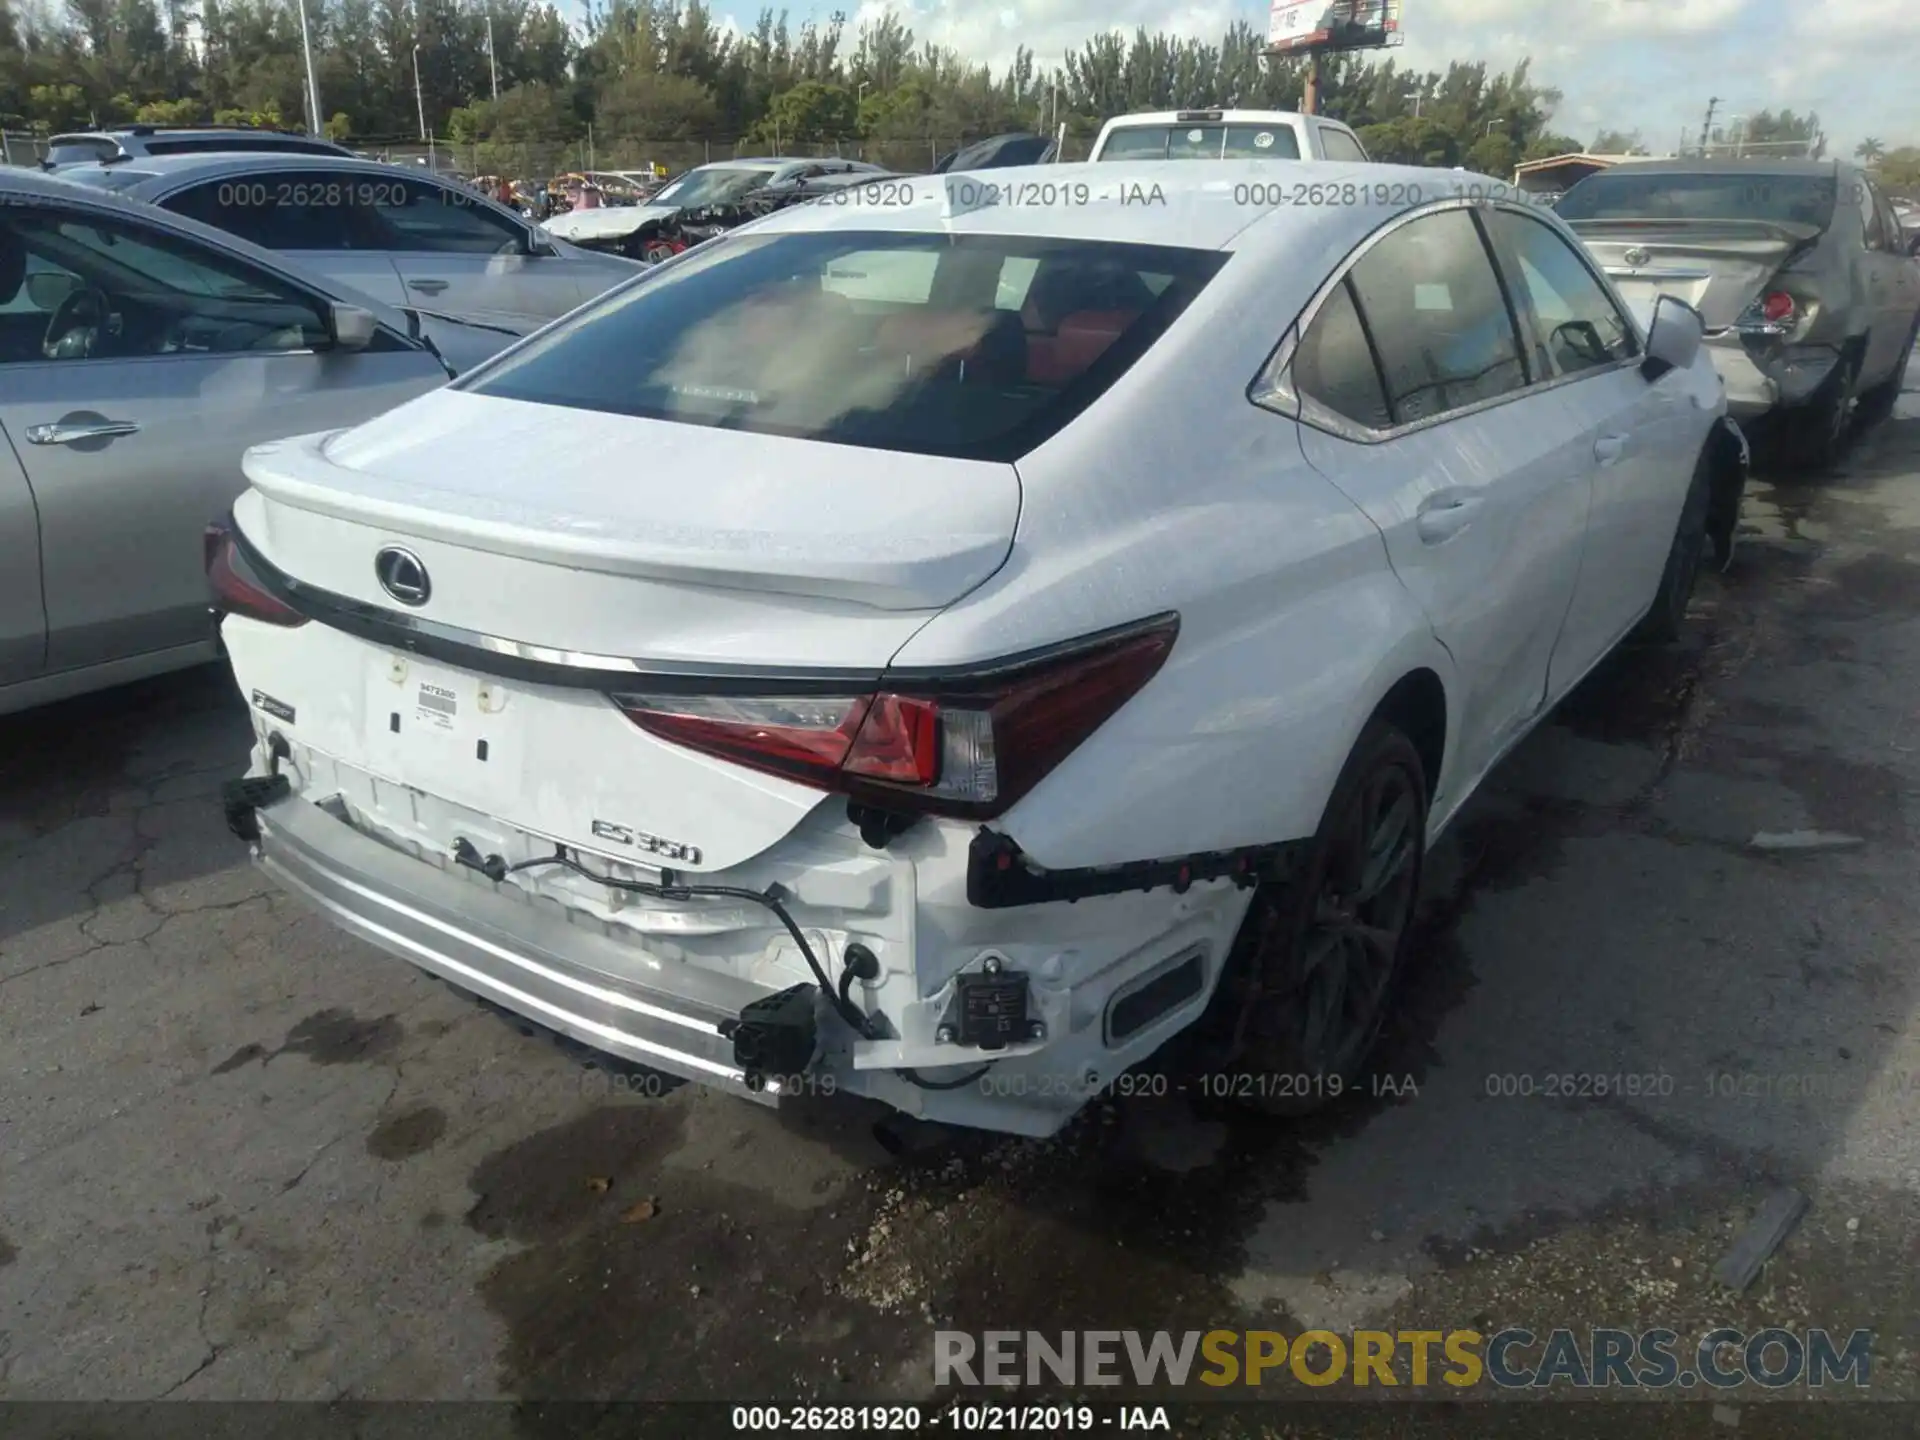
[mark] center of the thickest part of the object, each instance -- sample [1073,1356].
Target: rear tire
[1668,617]
[1878,403]
[1312,970]
[1817,433]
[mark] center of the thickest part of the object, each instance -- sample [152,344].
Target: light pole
[493,70]
[419,95]
[1739,125]
[313,85]
[1416,97]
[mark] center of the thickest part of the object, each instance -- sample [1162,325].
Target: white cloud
[1649,65]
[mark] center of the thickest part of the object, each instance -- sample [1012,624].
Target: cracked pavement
[247,1157]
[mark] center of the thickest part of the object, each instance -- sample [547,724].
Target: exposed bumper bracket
[242,799]
[1000,876]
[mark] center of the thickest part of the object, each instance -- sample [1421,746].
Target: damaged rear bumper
[1007,1018]
[501,949]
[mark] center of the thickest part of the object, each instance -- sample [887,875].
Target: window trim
[1273,387]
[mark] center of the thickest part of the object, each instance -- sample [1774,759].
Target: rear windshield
[1201,142]
[1622,195]
[971,346]
[78,152]
[699,188]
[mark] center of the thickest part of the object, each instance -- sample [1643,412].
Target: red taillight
[235,590]
[1777,307]
[966,744]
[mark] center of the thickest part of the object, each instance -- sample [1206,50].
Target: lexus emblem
[402,575]
[1636,256]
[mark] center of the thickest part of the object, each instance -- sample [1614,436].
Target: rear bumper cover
[537,965]
[1759,379]
[1108,982]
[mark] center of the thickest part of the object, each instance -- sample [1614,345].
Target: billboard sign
[1303,25]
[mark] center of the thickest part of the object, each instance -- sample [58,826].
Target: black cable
[848,1011]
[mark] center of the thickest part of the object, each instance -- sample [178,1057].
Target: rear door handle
[427,287]
[62,432]
[1444,516]
[1609,448]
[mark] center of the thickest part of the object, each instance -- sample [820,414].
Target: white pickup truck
[1226,135]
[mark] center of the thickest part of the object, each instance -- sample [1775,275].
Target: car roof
[1207,206]
[1205,115]
[211,164]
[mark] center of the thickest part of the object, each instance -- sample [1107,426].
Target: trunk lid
[655,500]
[1717,266]
[565,549]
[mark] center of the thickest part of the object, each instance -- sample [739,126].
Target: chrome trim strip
[545,665]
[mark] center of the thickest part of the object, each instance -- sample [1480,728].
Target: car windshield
[1666,195]
[971,346]
[1201,142]
[713,187]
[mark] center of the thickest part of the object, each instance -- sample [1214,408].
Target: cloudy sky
[1624,64]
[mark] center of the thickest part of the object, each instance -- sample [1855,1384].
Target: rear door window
[1335,364]
[1430,300]
[894,341]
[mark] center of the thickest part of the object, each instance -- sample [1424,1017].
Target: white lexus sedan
[963,643]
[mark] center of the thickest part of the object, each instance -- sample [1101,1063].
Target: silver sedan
[140,355]
[400,233]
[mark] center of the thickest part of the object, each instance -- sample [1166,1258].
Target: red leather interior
[1079,340]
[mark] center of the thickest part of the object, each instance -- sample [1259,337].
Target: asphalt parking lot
[248,1158]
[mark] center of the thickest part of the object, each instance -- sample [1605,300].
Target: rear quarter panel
[1175,492]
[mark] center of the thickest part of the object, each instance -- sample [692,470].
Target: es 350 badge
[647,844]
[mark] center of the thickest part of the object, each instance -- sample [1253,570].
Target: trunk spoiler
[1694,232]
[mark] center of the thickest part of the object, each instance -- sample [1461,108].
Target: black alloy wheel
[1313,967]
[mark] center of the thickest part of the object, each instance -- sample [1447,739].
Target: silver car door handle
[1609,448]
[427,287]
[62,433]
[1443,518]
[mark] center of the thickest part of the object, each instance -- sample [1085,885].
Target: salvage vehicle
[1225,135]
[1800,270]
[140,354]
[978,723]
[642,232]
[398,234]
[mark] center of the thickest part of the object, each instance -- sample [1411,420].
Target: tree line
[664,71]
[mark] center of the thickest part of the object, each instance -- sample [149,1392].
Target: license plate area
[438,729]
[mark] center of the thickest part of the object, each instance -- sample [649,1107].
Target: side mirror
[538,246]
[1674,338]
[1913,244]
[350,327]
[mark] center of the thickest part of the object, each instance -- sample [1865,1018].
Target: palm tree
[1869,151]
